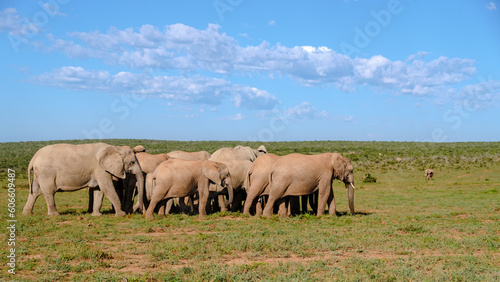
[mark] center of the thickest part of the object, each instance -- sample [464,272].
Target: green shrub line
[365,155]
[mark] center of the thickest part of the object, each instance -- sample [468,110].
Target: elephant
[186,205]
[257,181]
[238,153]
[177,178]
[149,163]
[190,156]
[66,167]
[429,173]
[125,188]
[238,170]
[297,175]
[242,153]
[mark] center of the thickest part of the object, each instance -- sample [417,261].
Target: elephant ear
[212,170]
[111,161]
[339,166]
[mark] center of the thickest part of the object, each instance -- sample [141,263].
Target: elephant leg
[293,205]
[109,190]
[203,198]
[51,204]
[155,199]
[258,208]
[274,196]
[222,206]
[283,210]
[162,210]
[313,200]
[332,209]
[323,196]
[185,204]
[168,206]
[91,200]
[32,197]
[98,196]
[303,202]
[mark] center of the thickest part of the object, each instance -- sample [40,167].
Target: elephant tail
[246,182]
[30,168]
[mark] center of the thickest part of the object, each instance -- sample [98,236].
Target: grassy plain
[405,228]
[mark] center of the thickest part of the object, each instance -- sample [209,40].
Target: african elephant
[186,205]
[149,163]
[238,153]
[429,173]
[241,153]
[125,188]
[257,180]
[177,178]
[238,172]
[66,167]
[190,156]
[297,175]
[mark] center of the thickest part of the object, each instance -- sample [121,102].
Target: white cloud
[485,94]
[491,6]
[272,22]
[12,23]
[191,90]
[186,49]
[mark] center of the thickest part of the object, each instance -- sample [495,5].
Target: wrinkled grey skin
[298,175]
[66,167]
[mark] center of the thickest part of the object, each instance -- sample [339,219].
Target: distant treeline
[365,155]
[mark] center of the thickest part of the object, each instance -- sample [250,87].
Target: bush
[368,178]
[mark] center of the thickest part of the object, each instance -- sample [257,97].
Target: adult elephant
[257,181]
[177,178]
[125,188]
[297,175]
[190,156]
[185,205]
[238,160]
[66,167]
[238,153]
[149,163]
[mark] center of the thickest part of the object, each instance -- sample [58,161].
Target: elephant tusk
[352,185]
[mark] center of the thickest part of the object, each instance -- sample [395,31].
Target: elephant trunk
[350,188]
[140,191]
[229,186]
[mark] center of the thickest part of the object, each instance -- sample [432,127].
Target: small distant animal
[399,160]
[428,174]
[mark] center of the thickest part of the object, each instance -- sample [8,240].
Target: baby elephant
[428,174]
[178,178]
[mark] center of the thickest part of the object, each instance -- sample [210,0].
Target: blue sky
[250,70]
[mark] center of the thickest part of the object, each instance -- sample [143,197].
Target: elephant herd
[239,178]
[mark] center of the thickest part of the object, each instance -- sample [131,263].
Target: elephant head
[218,173]
[343,171]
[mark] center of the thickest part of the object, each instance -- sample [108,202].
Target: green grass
[405,228]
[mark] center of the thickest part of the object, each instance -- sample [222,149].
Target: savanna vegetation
[405,228]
